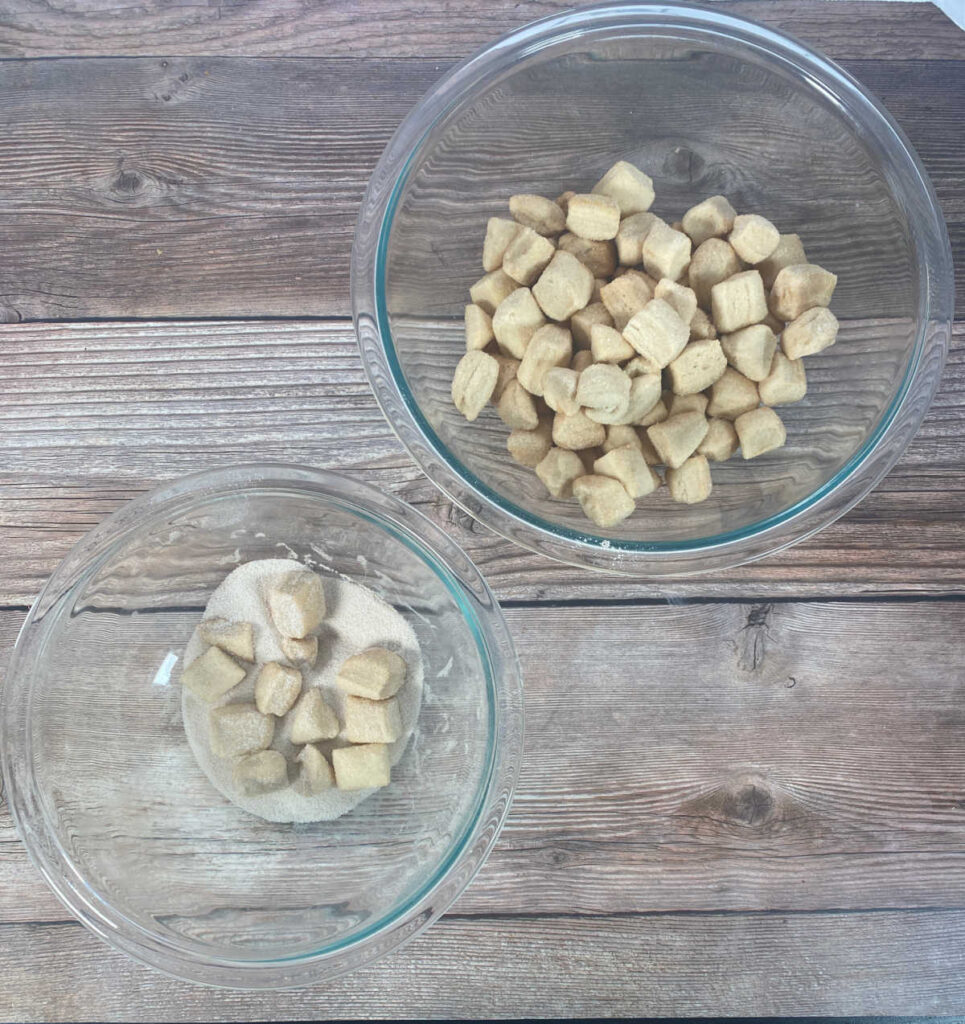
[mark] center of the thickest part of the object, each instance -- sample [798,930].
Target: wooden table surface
[178,187]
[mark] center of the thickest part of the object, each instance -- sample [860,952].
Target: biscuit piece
[376,673]
[239,729]
[362,766]
[212,675]
[277,688]
[296,600]
[237,638]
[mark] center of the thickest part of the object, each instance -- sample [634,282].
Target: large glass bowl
[705,103]
[119,818]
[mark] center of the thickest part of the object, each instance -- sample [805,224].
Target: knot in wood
[750,804]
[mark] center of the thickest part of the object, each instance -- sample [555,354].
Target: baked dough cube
[628,465]
[619,435]
[527,255]
[604,390]
[677,437]
[260,772]
[629,186]
[537,212]
[801,287]
[713,261]
[732,395]
[666,252]
[788,252]
[479,328]
[608,345]
[372,721]
[594,216]
[681,298]
[563,199]
[598,283]
[702,327]
[630,237]
[559,390]
[517,408]
[499,233]
[657,333]
[759,431]
[656,415]
[239,729]
[558,471]
[625,296]
[720,442]
[696,402]
[362,766]
[738,302]
[581,360]
[237,638]
[315,774]
[786,381]
[529,447]
[550,346]
[644,395]
[697,367]
[304,649]
[491,289]
[753,237]
[313,719]
[376,673]
[507,367]
[473,383]
[713,218]
[277,688]
[515,321]
[578,431]
[690,483]
[583,322]
[296,599]
[564,287]
[599,257]
[212,675]
[812,332]
[750,350]
[603,499]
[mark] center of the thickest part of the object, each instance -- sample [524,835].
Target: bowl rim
[469,848]
[865,467]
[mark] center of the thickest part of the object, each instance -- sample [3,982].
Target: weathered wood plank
[94,414]
[674,965]
[442,29]
[784,757]
[197,186]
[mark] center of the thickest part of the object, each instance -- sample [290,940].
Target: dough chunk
[750,350]
[676,438]
[212,675]
[558,470]
[527,255]
[303,650]
[277,688]
[628,465]
[479,328]
[312,719]
[261,772]
[595,217]
[786,381]
[375,673]
[732,395]
[529,447]
[537,212]
[699,365]
[666,252]
[491,289]
[515,321]
[720,442]
[296,602]
[564,287]
[800,287]
[754,238]
[240,729]
[690,483]
[372,721]
[629,186]
[760,431]
[738,302]
[473,383]
[713,218]
[499,233]
[657,333]
[363,766]
[603,499]
[315,774]
[812,332]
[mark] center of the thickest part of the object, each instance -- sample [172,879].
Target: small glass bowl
[127,830]
[705,103]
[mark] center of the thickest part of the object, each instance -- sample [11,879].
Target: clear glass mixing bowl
[127,830]
[705,103]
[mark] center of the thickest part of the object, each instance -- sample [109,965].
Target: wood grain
[785,757]
[207,187]
[94,414]
[517,967]
[99,28]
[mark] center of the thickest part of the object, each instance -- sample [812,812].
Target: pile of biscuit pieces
[243,731]
[612,343]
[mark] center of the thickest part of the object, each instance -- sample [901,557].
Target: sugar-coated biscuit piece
[375,673]
[296,600]
[277,688]
[362,766]
[212,675]
[313,719]
[371,721]
[239,729]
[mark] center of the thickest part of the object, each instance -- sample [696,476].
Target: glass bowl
[705,103]
[122,823]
